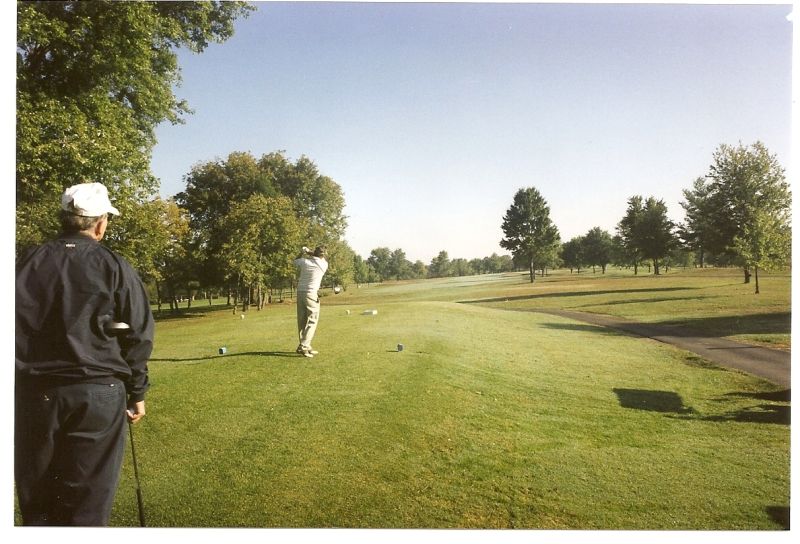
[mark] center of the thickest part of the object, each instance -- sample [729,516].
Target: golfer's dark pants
[69,442]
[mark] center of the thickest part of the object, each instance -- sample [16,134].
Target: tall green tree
[764,243]
[597,248]
[399,266]
[419,270]
[440,266]
[751,201]
[572,254]
[360,270]
[697,231]
[529,233]
[262,237]
[628,231]
[341,261]
[380,261]
[646,232]
[214,187]
[655,233]
[94,79]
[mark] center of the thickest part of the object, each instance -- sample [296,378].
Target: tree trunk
[532,272]
[158,295]
[656,270]
[756,270]
[746,274]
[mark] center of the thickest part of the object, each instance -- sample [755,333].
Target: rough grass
[487,419]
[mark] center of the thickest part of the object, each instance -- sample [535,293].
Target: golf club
[136,476]
[114,328]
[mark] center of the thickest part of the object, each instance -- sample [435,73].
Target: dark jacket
[66,290]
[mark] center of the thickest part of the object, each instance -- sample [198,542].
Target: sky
[432,116]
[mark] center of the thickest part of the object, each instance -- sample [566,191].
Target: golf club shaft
[136,476]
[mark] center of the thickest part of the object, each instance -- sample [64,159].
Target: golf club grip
[139,499]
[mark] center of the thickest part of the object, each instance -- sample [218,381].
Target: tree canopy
[530,235]
[93,81]
[750,199]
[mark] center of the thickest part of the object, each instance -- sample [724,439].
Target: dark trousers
[69,443]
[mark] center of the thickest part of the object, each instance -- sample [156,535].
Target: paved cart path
[771,364]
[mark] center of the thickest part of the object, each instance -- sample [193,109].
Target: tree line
[738,214]
[384,264]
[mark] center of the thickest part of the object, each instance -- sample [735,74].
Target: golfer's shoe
[304,352]
[312,351]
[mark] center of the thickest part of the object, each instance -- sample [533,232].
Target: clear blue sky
[431,116]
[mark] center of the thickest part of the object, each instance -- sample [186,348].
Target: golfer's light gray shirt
[311,271]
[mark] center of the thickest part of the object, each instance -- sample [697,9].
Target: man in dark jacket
[76,379]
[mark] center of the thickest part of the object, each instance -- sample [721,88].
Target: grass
[715,302]
[487,419]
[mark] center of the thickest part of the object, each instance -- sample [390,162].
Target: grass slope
[487,419]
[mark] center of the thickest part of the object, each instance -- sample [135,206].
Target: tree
[419,270]
[94,79]
[529,233]
[764,243]
[751,201]
[440,266]
[461,267]
[628,229]
[399,266]
[174,263]
[572,254]
[214,187]
[645,232]
[655,236]
[380,261]
[698,231]
[597,248]
[360,270]
[341,261]
[262,238]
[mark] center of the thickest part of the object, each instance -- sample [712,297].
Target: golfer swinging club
[312,269]
[76,379]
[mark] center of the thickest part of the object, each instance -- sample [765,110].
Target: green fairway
[487,419]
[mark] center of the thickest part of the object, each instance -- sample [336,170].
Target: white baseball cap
[87,200]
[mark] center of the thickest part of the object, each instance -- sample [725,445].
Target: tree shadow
[581,327]
[212,357]
[645,301]
[766,323]
[652,401]
[780,515]
[783,395]
[575,294]
[761,413]
[776,411]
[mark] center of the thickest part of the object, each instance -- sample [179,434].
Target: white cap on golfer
[87,200]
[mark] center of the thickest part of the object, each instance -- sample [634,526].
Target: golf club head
[116,327]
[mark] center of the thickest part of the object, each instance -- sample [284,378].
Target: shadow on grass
[773,412]
[668,402]
[652,401]
[771,323]
[227,355]
[780,515]
[580,327]
[644,301]
[576,294]
[762,413]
